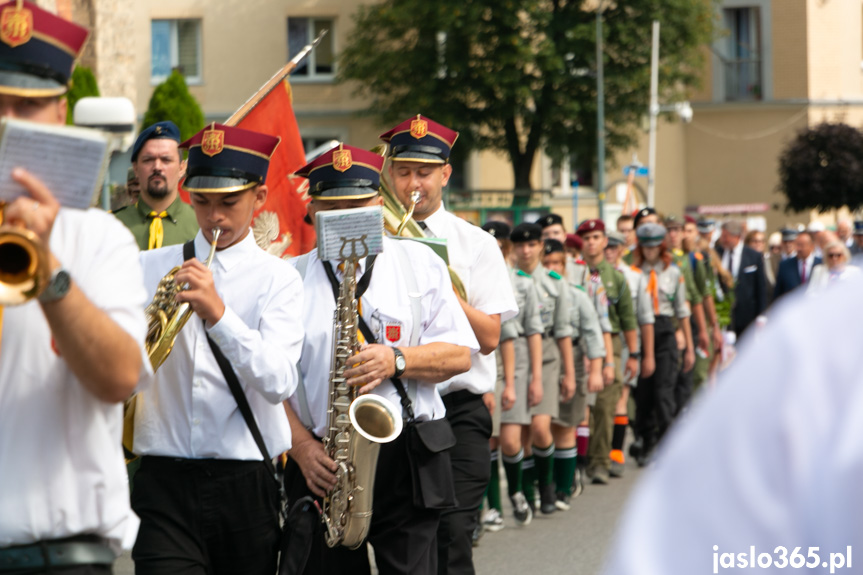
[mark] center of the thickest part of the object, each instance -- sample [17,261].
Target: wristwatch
[400,362]
[58,286]
[635,355]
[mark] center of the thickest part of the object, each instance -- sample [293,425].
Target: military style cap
[37,50]
[131,176]
[789,234]
[344,173]
[815,227]
[616,239]
[525,233]
[705,226]
[858,227]
[550,220]
[167,130]
[552,247]
[643,213]
[574,241]
[650,235]
[590,226]
[224,159]
[689,219]
[672,222]
[420,140]
[498,229]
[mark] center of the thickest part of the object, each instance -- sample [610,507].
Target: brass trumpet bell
[24,265]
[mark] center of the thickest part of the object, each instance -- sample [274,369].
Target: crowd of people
[536,361]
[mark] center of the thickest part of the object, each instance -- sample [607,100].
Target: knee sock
[620,423]
[564,469]
[544,464]
[513,467]
[493,488]
[582,440]
[528,479]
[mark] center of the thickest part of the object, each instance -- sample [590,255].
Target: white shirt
[735,256]
[187,409]
[386,309]
[476,258]
[805,266]
[61,464]
[784,470]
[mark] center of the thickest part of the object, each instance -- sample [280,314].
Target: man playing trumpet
[203,491]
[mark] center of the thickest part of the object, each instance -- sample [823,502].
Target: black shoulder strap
[234,383]
[363,284]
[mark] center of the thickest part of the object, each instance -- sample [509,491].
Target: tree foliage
[171,100]
[520,75]
[83,85]
[822,168]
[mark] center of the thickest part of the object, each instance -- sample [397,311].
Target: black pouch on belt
[428,444]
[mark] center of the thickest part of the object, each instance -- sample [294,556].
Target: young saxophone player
[421,336]
[206,499]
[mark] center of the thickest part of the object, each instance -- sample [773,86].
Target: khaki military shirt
[671,289]
[620,311]
[681,260]
[528,321]
[585,322]
[579,275]
[554,302]
[179,227]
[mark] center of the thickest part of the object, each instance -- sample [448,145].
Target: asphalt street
[572,542]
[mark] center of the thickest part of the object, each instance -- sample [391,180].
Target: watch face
[400,362]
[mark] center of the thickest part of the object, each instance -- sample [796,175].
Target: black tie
[423,225]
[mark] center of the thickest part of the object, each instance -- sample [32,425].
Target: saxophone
[356,428]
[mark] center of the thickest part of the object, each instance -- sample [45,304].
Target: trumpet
[166,317]
[24,264]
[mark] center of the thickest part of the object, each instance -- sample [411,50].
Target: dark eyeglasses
[837,256]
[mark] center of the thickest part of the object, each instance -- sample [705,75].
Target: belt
[576,340]
[55,554]
[460,397]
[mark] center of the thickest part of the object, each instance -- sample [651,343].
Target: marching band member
[70,357]
[203,491]
[419,151]
[402,533]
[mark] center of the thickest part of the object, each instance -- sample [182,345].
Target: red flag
[279,224]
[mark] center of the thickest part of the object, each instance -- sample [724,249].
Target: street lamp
[682,109]
[600,115]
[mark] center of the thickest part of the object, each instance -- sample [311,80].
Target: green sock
[528,481]
[512,466]
[564,469]
[493,487]
[544,464]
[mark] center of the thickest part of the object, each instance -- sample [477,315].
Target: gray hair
[733,227]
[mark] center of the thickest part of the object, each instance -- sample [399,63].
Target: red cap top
[574,241]
[590,226]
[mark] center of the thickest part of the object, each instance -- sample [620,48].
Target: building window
[319,64]
[742,60]
[176,44]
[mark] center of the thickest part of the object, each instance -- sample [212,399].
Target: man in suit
[797,270]
[747,267]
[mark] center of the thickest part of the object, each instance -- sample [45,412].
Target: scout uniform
[622,318]
[175,225]
[655,394]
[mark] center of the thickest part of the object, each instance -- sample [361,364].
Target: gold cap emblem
[342,160]
[419,128]
[213,142]
[16,25]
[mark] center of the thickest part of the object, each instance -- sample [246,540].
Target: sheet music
[355,232]
[70,161]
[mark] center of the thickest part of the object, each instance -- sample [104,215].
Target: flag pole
[277,78]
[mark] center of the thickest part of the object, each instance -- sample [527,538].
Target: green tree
[519,75]
[171,100]
[83,85]
[822,168]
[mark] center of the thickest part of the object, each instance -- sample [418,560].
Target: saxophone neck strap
[362,286]
[234,383]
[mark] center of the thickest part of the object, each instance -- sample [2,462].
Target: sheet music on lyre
[356,232]
[70,161]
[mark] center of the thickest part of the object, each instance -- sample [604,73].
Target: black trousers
[91,569]
[654,396]
[685,381]
[471,468]
[403,536]
[205,516]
